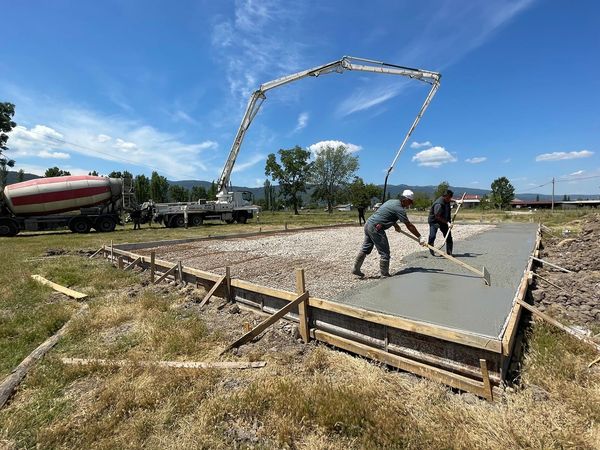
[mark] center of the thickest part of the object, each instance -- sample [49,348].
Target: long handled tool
[462,200]
[482,273]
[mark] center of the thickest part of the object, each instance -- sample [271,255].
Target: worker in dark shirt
[388,215]
[361,214]
[439,219]
[136,216]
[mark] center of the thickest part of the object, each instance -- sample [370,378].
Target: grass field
[311,397]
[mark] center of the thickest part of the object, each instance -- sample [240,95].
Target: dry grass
[308,396]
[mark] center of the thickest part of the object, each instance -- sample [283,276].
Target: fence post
[152,268]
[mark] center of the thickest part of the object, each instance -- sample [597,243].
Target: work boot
[358,262]
[384,268]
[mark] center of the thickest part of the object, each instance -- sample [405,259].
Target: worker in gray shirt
[439,219]
[388,215]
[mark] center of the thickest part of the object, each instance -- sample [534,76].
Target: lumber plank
[267,323]
[423,370]
[10,383]
[557,324]
[57,287]
[211,292]
[487,386]
[171,364]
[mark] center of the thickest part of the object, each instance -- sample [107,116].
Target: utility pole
[552,194]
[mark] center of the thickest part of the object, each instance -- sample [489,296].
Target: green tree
[441,189]
[292,174]
[212,191]
[485,203]
[93,173]
[361,194]
[20,175]
[332,170]
[197,193]
[7,111]
[141,186]
[537,198]
[119,174]
[159,187]
[502,192]
[421,200]
[178,193]
[270,199]
[55,172]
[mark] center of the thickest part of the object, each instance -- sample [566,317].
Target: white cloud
[121,144]
[55,155]
[366,98]
[507,160]
[559,156]
[302,121]
[475,182]
[416,144]
[89,134]
[240,167]
[476,160]
[579,172]
[434,157]
[318,146]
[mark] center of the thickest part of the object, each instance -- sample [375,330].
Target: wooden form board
[449,353]
[57,287]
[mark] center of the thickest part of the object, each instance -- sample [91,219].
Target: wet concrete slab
[434,290]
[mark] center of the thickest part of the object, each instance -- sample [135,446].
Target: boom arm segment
[346,63]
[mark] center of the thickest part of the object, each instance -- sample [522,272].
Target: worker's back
[388,214]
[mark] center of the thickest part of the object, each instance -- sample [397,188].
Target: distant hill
[393,189]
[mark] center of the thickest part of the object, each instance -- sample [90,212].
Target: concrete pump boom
[344,64]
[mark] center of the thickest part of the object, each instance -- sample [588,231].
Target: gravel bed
[327,257]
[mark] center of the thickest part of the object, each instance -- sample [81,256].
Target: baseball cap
[408,194]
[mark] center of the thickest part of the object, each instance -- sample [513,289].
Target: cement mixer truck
[80,203]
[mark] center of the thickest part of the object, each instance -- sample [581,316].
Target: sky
[156,85]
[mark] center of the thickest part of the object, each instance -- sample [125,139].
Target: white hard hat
[408,194]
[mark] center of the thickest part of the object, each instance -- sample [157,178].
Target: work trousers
[443,227]
[378,239]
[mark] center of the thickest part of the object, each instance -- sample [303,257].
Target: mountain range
[393,189]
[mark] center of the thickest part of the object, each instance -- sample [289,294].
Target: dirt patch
[576,295]
[326,256]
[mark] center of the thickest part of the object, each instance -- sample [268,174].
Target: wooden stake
[597,360]
[172,364]
[166,274]
[152,266]
[57,287]
[267,323]
[557,324]
[112,255]
[228,280]
[487,386]
[10,383]
[549,282]
[133,263]
[120,262]
[212,291]
[104,251]
[551,265]
[180,271]
[96,252]
[302,307]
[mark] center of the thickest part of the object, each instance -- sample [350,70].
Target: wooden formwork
[460,359]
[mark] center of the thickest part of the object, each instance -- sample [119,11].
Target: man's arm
[413,230]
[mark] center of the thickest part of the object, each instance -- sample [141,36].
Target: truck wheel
[105,224]
[8,228]
[177,221]
[229,220]
[242,217]
[79,225]
[197,220]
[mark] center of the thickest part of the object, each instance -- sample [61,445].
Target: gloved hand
[450,225]
[423,241]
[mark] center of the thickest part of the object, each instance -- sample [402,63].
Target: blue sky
[157,85]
